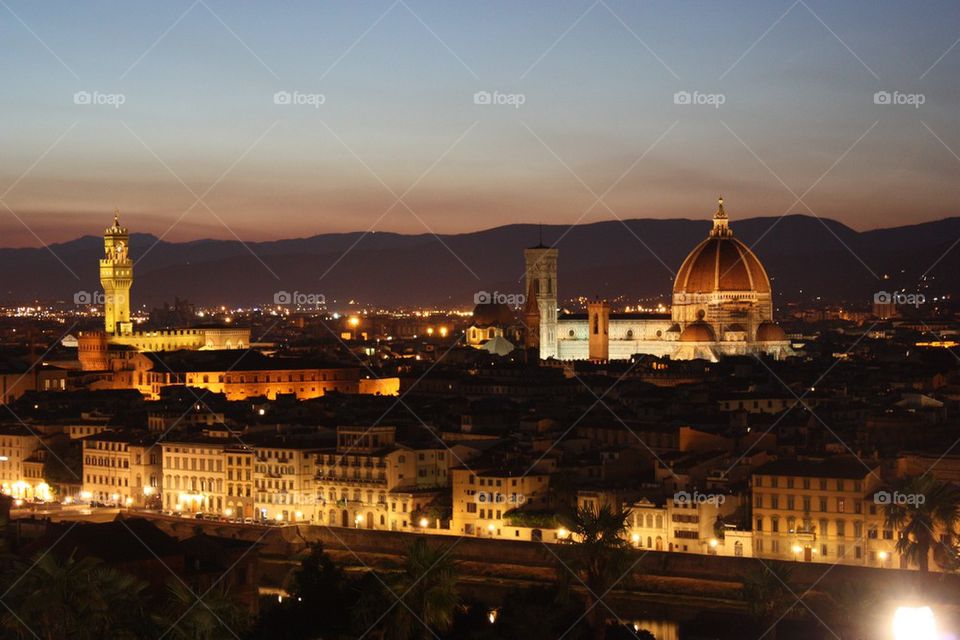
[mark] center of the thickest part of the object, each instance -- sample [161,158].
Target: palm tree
[63,597]
[596,555]
[929,505]
[420,600]
[215,615]
[768,596]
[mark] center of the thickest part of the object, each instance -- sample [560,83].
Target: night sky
[388,134]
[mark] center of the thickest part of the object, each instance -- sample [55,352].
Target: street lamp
[914,623]
[796,552]
[424,523]
[358,520]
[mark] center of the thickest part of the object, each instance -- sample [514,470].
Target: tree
[768,596]
[214,616]
[928,505]
[318,604]
[65,597]
[418,601]
[594,556]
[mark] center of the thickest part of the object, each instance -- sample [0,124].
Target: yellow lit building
[482,498]
[241,496]
[194,474]
[821,511]
[19,448]
[116,278]
[371,481]
[121,468]
[283,476]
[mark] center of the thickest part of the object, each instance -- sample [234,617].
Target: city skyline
[186,116]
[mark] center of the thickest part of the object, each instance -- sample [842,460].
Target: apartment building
[483,497]
[371,480]
[19,447]
[821,511]
[283,478]
[194,474]
[121,468]
[689,522]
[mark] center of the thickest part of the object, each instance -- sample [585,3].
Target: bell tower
[116,278]
[541,273]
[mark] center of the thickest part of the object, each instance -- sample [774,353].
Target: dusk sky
[200,148]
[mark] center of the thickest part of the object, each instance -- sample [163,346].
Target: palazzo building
[722,305]
[94,348]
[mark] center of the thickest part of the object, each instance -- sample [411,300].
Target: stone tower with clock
[116,277]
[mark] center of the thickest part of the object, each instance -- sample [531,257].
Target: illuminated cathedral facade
[722,305]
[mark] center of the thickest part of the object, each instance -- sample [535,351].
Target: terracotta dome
[492,313]
[770,332]
[721,263]
[698,332]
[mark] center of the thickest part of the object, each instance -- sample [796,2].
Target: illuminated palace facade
[722,305]
[116,277]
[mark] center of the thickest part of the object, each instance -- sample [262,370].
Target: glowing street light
[424,523]
[914,623]
[562,533]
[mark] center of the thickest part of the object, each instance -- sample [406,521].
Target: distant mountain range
[805,256]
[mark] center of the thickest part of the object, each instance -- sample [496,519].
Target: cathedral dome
[721,263]
[492,313]
[770,332]
[698,332]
